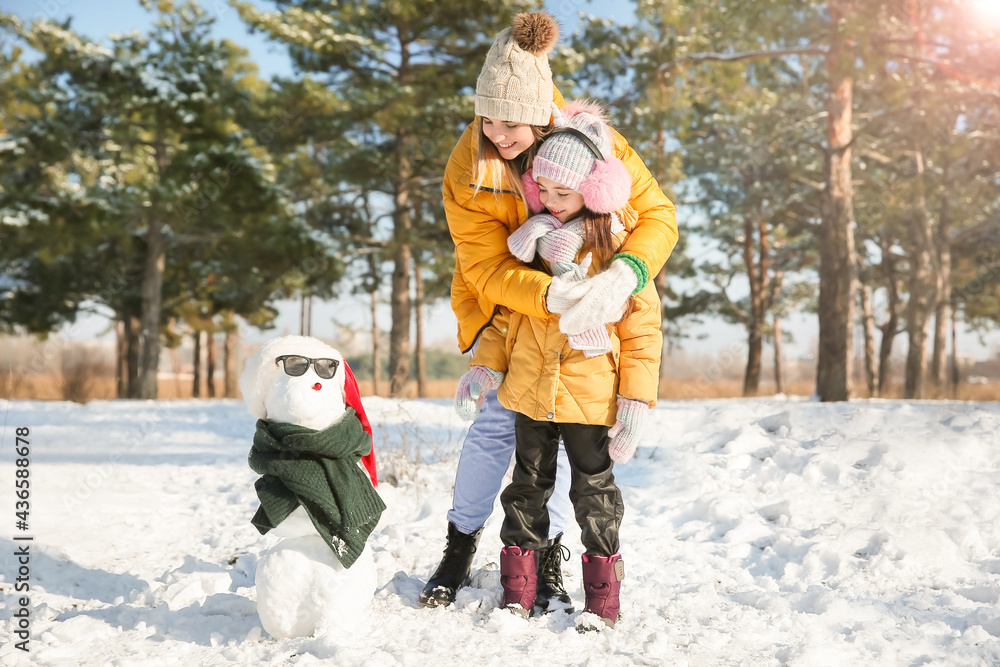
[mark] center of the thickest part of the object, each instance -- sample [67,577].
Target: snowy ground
[757,532]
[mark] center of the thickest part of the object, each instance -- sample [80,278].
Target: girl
[558,389]
[483,200]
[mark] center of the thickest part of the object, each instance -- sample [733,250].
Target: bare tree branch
[809,50]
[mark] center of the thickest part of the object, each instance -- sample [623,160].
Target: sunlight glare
[988,10]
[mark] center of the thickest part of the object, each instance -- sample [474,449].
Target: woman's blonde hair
[493,172]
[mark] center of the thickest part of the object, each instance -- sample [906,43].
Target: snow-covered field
[757,532]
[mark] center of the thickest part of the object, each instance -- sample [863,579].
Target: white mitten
[524,239]
[562,290]
[472,390]
[627,430]
[590,303]
[593,342]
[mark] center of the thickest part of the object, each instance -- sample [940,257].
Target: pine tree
[406,71]
[132,151]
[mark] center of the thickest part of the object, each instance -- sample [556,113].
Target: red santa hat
[352,397]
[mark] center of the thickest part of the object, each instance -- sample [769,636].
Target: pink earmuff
[608,187]
[531,192]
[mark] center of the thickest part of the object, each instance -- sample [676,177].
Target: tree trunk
[152,302]
[755,346]
[309,315]
[774,307]
[229,359]
[210,364]
[121,359]
[421,360]
[779,387]
[755,324]
[891,326]
[399,332]
[376,357]
[152,285]
[939,351]
[196,366]
[942,243]
[954,353]
[836,296]
[868,321]
[302,313]
[923,295]
[133,330]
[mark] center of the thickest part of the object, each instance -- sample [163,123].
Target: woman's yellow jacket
[487,275]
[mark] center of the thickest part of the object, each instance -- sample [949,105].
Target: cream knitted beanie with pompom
[515,84]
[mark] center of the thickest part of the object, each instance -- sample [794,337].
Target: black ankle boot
[551,594]
[453,572]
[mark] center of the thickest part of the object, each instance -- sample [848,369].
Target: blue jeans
[486,455]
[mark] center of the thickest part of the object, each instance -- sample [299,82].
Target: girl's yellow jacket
[487,275]
[548,380]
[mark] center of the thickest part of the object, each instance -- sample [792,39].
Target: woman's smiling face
[511,139]
[563,203]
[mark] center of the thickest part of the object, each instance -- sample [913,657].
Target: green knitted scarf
[318,470]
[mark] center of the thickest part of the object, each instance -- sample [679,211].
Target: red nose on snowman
[317,386]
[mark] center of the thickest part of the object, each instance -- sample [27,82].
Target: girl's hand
[472,390]
[522,243]
[627,430]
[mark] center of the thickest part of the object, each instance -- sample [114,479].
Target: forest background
[835,162]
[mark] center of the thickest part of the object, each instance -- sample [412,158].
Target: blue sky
[97,19]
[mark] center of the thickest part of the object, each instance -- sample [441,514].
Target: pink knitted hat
[578,155]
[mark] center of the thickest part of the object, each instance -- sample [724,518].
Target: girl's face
[511,139]
[563,203]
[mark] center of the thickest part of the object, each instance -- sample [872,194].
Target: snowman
[313,449]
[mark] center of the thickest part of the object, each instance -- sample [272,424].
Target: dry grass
[54,388]
[80,387]
[433,389]
[86,382]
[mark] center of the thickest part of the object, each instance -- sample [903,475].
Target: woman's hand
[592,302]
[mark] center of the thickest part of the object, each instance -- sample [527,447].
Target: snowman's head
[295,380]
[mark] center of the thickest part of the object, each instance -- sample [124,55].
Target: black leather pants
[597,502]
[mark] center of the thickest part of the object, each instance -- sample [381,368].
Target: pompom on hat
[515,84]
[578,155]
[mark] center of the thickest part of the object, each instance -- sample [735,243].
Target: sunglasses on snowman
[296,365]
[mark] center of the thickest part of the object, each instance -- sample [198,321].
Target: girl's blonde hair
[493,172]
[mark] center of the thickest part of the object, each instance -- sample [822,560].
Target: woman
[484,204]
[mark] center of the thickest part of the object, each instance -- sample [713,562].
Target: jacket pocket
[510,336]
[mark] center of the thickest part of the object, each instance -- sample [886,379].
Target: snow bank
[757,532]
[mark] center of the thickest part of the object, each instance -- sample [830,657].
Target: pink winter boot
[519,579]
[602,576]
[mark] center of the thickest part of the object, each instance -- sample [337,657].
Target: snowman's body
[301,586]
